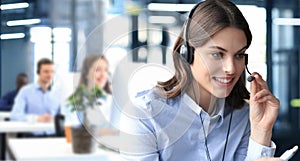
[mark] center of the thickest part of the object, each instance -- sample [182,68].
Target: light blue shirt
[32,100]
[160,129]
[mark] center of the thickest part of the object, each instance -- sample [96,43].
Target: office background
[143,32]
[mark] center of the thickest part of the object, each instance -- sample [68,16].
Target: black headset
[187,51]
[250,77]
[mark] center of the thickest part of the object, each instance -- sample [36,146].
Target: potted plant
[80,102]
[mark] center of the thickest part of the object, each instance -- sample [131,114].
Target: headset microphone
[250,78]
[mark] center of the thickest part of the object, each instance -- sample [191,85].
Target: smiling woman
[221,64]
[201,111]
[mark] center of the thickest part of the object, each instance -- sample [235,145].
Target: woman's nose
[229,66]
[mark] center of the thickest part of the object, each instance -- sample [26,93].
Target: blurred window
[51,43]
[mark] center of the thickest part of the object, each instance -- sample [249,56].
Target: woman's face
[98,73]
[220,62]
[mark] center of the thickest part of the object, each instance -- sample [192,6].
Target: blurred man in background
[7,101]
[36,101]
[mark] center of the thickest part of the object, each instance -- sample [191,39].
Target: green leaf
[84,97]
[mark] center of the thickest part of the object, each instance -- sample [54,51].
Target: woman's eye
[240,56]
[217,55]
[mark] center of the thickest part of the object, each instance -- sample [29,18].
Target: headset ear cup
[184,52]
[187,53]
[190,55]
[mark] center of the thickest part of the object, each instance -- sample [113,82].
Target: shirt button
[264,153]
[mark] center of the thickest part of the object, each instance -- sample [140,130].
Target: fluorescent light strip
[12,36]
[170,7]
[14,6]
[287,21]
[162,19]
[23,22]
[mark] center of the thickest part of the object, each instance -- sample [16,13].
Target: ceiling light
[12,36]
[14,6]
[170,7]
[23,22]
[162,19]
[287,21]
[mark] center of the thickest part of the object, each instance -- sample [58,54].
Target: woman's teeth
[223,80]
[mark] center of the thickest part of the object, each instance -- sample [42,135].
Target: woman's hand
[44,118]
[269,159]
[263,111]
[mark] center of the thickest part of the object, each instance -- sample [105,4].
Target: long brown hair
[87,64]
[210,17]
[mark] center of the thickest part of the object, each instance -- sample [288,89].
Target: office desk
[4,115]
[16,127]
[54,149]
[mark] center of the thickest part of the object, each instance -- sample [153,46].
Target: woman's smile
[224,81]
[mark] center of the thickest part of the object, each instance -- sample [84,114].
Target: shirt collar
[217,113]
[192,104]
[38,86]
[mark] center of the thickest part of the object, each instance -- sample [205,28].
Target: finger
[265,96]
[273,101]
[261,83]
[261,93]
